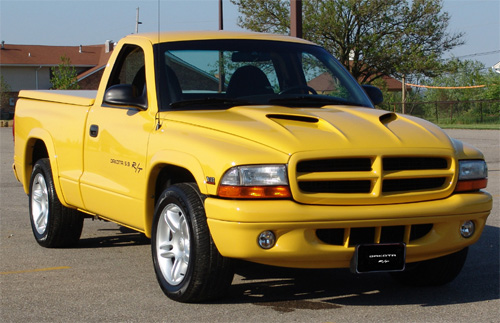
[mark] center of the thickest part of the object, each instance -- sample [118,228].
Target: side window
[129,69]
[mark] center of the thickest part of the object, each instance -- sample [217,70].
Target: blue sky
[86,22]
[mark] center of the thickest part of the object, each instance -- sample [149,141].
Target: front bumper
[236,224]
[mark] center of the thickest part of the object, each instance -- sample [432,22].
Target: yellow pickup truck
[257,147]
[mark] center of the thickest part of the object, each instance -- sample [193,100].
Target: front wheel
[53,224]
[187,263]
[433,272]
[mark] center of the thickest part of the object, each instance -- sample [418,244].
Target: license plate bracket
[383,257]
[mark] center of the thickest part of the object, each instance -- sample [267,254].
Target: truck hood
[291,130]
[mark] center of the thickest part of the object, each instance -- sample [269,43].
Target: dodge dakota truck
[260,148]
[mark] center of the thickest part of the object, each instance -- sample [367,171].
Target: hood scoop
[388,117]
[292,117]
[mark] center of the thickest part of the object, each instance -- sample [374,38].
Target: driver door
[116,140]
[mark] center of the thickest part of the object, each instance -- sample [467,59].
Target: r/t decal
[137,167]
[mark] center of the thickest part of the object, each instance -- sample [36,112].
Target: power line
[478,54]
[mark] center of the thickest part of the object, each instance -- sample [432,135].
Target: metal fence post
[481,110]
[437,113]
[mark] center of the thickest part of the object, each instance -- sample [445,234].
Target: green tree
[371,38]
[492,82]
[64,75]
[467,83]
[5,90]
[459,83]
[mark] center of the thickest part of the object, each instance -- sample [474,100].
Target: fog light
[467,229]
[266,240]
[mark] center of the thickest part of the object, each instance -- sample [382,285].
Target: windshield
[219,74]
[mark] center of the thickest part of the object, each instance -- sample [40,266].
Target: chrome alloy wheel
[40,204]
[173,244]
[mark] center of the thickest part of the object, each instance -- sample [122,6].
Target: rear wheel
[433,272]
[187,263]
[53,224]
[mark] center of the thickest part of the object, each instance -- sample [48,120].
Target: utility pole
[221,16]
[137,22]
[403,95]
[222,76]
[296,18]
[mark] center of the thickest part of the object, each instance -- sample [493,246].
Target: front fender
[156,163]
[179,159]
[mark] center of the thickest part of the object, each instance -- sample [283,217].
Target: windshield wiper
[209,102]
[305,100]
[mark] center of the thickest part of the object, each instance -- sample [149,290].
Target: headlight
[255,181]
[472,175]
[255,175]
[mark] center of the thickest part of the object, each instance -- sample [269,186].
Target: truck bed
[73,97]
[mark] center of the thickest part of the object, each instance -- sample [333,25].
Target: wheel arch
[169,168]
[39,144]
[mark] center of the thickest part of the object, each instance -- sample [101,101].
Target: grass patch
[478,126]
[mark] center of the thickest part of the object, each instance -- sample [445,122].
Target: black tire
[53,225]
[188,266]
[433,272]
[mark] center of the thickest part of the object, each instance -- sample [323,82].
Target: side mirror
[125,95]
[374,93]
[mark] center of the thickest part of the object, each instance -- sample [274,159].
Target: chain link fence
[451,112]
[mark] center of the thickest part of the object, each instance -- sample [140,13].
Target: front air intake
[371,179]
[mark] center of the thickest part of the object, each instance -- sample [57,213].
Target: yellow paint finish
[235,226]
[72,97]
[162,37]
[61,128]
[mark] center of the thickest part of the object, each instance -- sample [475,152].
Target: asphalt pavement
[109,277]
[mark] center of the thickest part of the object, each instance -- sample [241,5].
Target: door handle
[94,130]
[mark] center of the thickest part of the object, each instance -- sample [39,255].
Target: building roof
[394,84]
[324,83]
[38,55]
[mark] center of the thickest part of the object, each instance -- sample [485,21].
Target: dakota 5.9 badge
[136,166]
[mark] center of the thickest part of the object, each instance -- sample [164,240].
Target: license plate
[382,257]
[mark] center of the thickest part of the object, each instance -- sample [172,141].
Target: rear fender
[44,136]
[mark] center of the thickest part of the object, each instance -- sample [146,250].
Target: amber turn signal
[471,185]
[254,192]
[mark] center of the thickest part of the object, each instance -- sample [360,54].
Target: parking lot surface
[109,277]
